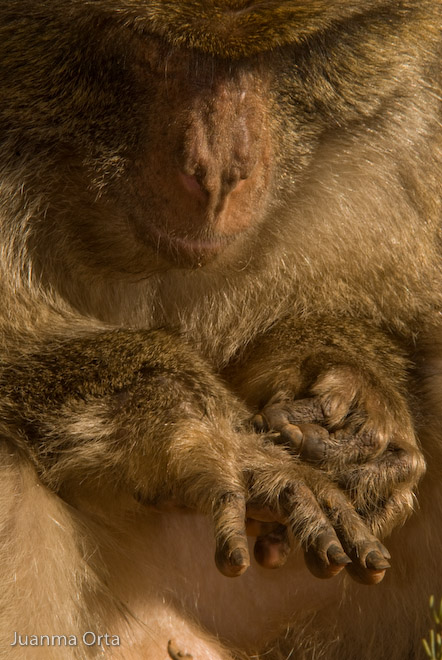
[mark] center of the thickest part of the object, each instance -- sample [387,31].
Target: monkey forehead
[236,28]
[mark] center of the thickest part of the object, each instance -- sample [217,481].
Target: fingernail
[238,558]
[337,556]
[376,561]
[259,423]
[385,552]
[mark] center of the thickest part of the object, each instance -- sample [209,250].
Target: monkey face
[150,150]
[155,155]
[210,143]
[202,175]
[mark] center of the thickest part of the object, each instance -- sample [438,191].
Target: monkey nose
[201,188]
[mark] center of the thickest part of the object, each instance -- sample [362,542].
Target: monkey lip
[190,250]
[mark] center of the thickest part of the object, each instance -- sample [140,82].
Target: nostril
[234,180]
[200,186]
[192,185]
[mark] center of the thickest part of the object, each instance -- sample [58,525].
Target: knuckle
[411,462]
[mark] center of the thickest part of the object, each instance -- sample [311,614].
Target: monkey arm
[335,391]
[140,410]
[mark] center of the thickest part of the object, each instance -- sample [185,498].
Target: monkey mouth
[189,251]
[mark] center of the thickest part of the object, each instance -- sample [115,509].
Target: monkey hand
[141,411]
[284,500]
[360,434]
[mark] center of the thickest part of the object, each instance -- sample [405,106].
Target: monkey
[221,297]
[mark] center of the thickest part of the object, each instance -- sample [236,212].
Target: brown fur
[211,213]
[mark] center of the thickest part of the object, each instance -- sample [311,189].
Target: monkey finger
[366,561]
[272,549]
[260,520]
[308,441]
[369,557]
[325,554]
[326,559]
[259,528]
[314,444]
[231,554]
[274,416]
[321,517]
[365,576]
[299,427]
[372,568]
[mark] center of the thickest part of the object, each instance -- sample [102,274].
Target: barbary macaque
[221,296]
